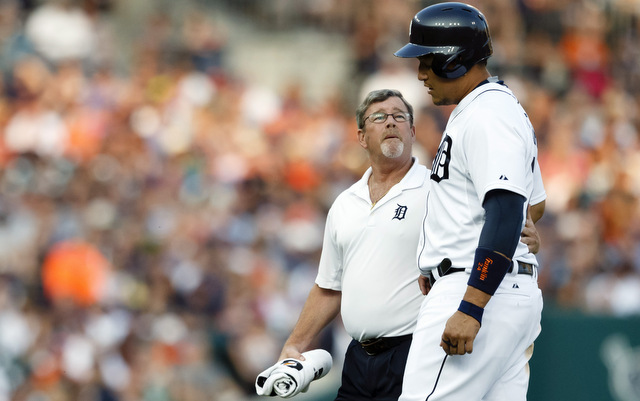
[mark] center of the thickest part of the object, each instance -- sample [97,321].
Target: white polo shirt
[488,144]
[369,253]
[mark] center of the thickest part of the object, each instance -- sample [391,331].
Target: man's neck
[474,77]
[390,172]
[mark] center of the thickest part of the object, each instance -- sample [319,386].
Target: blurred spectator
[60,30]
[75,271]
[203,190]
[583,45]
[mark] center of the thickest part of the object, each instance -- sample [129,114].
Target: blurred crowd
[161,217]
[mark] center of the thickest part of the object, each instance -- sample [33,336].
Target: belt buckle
[527,268]
[371,347]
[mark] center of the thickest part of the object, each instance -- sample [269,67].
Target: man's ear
[361,135]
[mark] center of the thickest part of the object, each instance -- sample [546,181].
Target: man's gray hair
[378,96]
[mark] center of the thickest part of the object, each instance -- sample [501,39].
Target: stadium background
[166,167]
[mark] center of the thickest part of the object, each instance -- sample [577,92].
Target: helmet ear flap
[449,66]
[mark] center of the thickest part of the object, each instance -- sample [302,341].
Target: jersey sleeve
[497,153]
[330,268]
[539,194]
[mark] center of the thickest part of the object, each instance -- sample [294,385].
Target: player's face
[390,139]
[443,91]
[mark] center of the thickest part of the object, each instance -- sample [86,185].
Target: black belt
[445,268]
[378,345]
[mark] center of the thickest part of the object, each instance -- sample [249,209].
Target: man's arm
[536,211]
[321,307]
[498,240]
[530,236]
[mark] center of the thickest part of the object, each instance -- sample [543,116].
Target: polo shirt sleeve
[330,268]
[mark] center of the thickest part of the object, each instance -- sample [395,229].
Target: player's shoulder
[490,94]
[485,102]
[492,103]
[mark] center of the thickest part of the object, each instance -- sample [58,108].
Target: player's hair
[378,96]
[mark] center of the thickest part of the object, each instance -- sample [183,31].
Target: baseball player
[481,315]
[368,264]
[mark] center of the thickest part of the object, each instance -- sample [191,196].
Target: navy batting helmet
[457,35]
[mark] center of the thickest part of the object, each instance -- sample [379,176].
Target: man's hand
[291,351]
[459,333]
[461,329]
[530,235]
[425,286]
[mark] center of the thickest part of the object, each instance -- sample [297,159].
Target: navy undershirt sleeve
[503,221]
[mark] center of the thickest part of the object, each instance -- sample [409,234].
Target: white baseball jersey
[539,194]
[488,144]
[369,254]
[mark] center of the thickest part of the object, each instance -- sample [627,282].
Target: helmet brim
[410,50]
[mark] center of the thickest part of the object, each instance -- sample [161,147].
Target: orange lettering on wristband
[483,268]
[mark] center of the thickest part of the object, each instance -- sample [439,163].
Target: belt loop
[515,268]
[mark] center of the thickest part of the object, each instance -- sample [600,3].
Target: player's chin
[438,101]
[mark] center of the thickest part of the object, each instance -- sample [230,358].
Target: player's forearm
[321,307]
[476,297]
[536,211]
[498,240]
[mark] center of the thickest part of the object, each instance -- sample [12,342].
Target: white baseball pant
[498,367]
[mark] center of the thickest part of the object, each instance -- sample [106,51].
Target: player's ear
[413,132]
[361,138]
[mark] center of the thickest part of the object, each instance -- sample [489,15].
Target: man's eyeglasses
[379,118]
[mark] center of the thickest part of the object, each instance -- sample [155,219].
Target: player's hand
[530,236]
[424,284]
[291,352]
[459,333]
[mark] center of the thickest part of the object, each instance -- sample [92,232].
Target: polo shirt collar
[414,178]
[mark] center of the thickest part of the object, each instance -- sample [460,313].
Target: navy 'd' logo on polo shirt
[401,212]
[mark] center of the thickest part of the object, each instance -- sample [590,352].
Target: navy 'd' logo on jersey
[440,166]
[401,212]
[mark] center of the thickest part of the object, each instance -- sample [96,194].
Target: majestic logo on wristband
[401,212]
